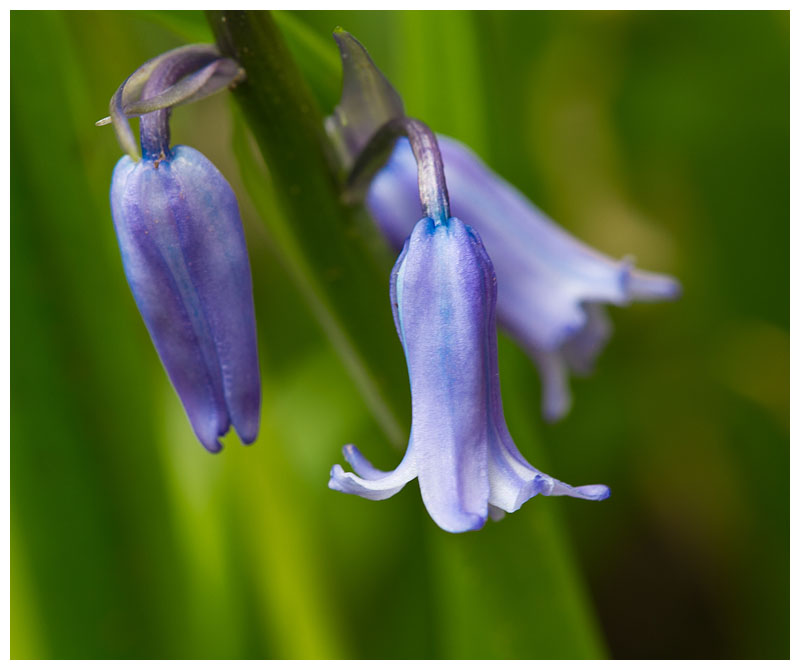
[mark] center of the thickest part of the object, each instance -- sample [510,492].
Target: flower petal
[583,347]
[373,484]
[212,241]
[514,481]
[556,398]
[650,286]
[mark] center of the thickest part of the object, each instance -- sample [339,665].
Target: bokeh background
[661,135]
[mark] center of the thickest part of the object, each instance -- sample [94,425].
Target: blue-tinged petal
[372,483]
[581,350]
[587,491]
[554,372]
[212,238]
[649,286]
[512,480]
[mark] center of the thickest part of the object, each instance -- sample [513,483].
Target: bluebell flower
[183,250]
[443,294]
[552,288]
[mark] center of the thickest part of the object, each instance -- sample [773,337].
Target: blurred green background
[661,135]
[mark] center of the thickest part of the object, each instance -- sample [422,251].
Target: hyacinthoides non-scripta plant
[184,255]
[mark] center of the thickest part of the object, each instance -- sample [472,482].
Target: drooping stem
[128,100]
[430,168]
[154,126]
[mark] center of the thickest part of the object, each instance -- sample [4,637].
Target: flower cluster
[184,254]
[548,293]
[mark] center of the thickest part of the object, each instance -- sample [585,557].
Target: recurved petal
[587,491]
[514,481]
[372,483]
[212,240]
[650,286]
[556,397]
[159,279]
[582,348]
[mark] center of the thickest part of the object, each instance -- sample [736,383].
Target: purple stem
[430,168]
[154,126]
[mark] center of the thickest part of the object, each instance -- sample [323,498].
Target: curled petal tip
[591,492]
[595,492]
[362,467]
[248,439]
[212,446]
[462,524]
[336,473]
[650,286]
[556,396]
[367,481]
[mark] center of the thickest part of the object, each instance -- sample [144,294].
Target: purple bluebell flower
[443,295]
[183,251]
[551,286]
